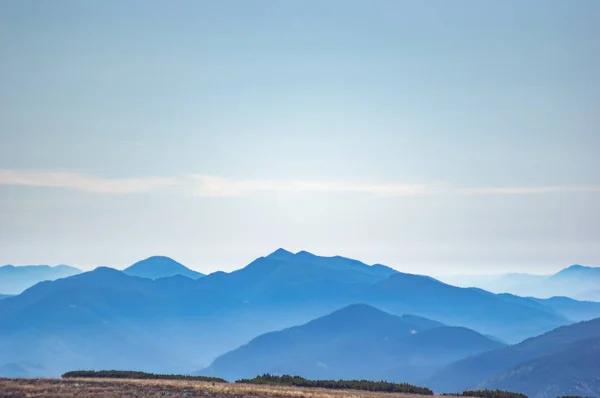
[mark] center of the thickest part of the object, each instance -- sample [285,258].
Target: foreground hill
[356,342]
[559,355]
[572,371]
[15,279]
[160,267]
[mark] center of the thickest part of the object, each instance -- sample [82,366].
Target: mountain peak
[354,316]
[577,269]
[160,267]
[281,253]
[354,309]
[304,254]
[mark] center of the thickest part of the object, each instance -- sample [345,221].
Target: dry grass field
[117,388]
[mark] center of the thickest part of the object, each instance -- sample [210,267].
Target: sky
[435,137]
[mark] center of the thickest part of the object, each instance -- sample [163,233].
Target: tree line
[129,374]
[489,394]
[363,385]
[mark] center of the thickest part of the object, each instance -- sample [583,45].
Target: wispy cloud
[218,186]
[82,182]
[215,186]
[526,190]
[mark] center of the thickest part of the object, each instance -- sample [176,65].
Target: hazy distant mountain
[106,318]
[572,309]
[3,296]
[160,267]
[578,272]
[515,283]
[355,342]
[15,279]
[576,281]
[542,356]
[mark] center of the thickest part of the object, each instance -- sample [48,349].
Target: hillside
[160,267]
[15,279]
[356,342]
[572,371]
[471,372]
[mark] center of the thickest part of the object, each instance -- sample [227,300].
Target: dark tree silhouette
[128,374]
[364,385]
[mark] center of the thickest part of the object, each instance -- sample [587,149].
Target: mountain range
[160,267]
[321,317]
[15,279]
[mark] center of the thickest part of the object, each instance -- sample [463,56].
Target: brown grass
[116,388]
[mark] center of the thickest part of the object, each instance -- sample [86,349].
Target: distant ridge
[335,262]
[156,267]
[575,281]
[15,279]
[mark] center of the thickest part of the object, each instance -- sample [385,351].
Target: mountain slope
[15,279]
[355,342]
[470,372]
[572,371]
[509,318]
[160,267]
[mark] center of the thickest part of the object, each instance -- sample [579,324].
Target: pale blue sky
[432,136]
